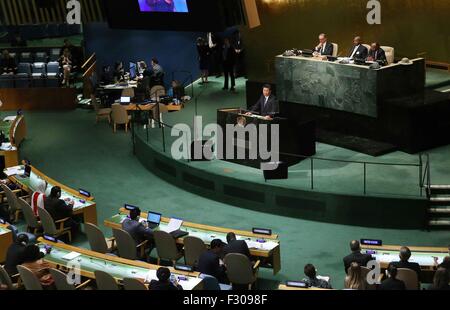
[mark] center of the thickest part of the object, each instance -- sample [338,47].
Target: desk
[119,86]
[119,268]
[6,240]
[151,106]
[15,129]
[345,87]
[424,256]
[284,287]
[88,208]
[268,253]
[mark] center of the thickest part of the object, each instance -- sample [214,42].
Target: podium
[297,141]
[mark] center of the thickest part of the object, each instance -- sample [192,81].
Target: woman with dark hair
[203,58]
[441,280]
[165,282]
[33,261]
[354,280]
[66,64]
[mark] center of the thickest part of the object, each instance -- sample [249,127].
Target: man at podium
[267,105]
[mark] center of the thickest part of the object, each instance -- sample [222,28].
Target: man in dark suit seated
[235,246]
[405,254]
[356,256]
[210,263]
[15,254]
[164,282]
[392,283]
[267,105]
[60,209]
[358,51]
[324,48]
[376,53]
[136,229]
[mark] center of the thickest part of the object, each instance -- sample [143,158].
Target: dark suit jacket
[137,230]
[209,264]
[408,265]
[379,56]
[237,246]
[358,257]
[57,208]
[164,286]
[14,257]
[229,55]
[392,285]
[329,48]
[361,52]
[271,108]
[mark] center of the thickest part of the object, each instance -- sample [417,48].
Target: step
[439,222]
[441,186]
[443,210]
[440,198]
[439,189]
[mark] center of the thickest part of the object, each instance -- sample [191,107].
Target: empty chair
[11,198]
[38,69]
[120,116]
[166,247]
[54,54]
[126,246]
[29,279]
[364,272]
[97,240]
[211,283]
[6,280]
[193,248]
[240,270]
[409,277]
[131,284]
[26,57]
[53,74]
[23,75]
[335,49]
[41,57]
[61,283]
[390,54]
[33,225]
[49,225]
[100,112]
[157,91]
[105,281]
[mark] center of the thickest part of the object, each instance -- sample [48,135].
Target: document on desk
[71,256]
[6,147]
[174,225]
[266,246]
[13,171]
[9,118]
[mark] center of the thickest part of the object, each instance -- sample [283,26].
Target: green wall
[411,26]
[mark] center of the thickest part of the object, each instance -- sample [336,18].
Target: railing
[158,137]
[89,68]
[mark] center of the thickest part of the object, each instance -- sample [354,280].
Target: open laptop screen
[154,217]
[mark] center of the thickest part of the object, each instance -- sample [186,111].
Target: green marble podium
[345,87]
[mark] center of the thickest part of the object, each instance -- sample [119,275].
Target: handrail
[88,61]
[89,71]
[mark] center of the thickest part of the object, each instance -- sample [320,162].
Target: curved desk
[15,129]
[268,252]
[5,241]
[83,205]
[119,268]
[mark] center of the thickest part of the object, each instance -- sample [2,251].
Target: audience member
[203,58]
[441,280]
[391,283]
[60,209]
[229,61]
[38,197]
[66,64]
[236,246]
[7,63]
[165,281]
[354,279]
[311,278]
[210,263]
[136,229]
[16,254]
[405,254]
[33,261]
[356,256]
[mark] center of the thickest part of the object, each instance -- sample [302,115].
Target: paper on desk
[267,246]
[71,256]
[9,118]
[174,224]
[6,146]
[13,171]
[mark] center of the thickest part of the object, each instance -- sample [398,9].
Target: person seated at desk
[356,256]
[445,263]
[16,254]
[311,278]
[7,64]
[235,246]
[176,91]
[60,209]
[138,231]
[405,254]
[33,261]
[210,263]
[267,105]
[376,53]
[157,77]
[38,196]
[441,280]
[324,48]
[392,283]
[354,279]
[358,51]
[119,72]
[66,63]
[164,282]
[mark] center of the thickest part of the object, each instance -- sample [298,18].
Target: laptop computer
[125,100]
[153,219]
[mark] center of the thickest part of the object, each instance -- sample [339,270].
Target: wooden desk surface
[284,287]
[5,241]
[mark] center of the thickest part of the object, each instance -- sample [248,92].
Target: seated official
[210,264]
[138,231]
[358,51]
[311,278]
[16,254]
[7,63]
[267,105]
[445,263]
[157,77]
[376,53]
[405,254]
[38,196]
[165,283]
[392,283]
[356,256]
[236,246]
[354,279]
[441,280]
[324,48]
[33,261]
[60,209]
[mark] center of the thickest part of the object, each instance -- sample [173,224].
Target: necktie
[376,54]
[265,101]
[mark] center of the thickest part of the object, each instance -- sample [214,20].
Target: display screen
[168,6]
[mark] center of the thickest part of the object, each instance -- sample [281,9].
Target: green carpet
[71,148]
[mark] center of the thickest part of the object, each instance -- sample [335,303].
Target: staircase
[439,206]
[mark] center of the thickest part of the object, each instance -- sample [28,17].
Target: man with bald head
[324,48]
[358,51]
[377,54]
[356,256]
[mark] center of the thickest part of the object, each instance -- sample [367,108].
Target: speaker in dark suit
[376,53]
[358,51]
[324,48]
[267,104]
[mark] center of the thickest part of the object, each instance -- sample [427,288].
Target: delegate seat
[41,57]
[26,57]
[39,74]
